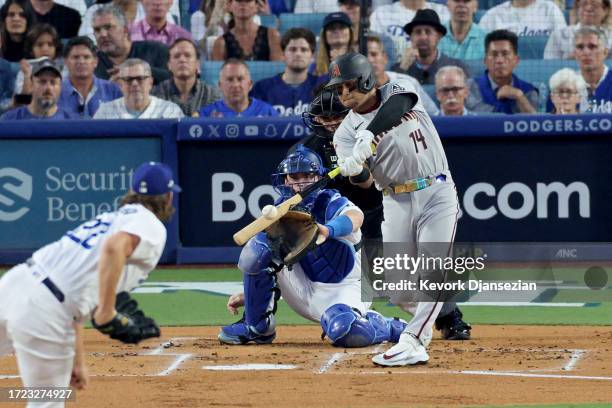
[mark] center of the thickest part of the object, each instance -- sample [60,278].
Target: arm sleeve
[301,7]
[474,100]
[344,140]
[390,114]
[558,17]
[101,113]
[176,112]
[549,50]
[375,23]
[487,21]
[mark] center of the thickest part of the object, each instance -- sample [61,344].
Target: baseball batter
[323,286]
[44,302]
[409,166]
[323,117]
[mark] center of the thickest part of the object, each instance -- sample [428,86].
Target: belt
[59,295]
[414,185]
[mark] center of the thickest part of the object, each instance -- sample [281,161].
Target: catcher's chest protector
[333,260]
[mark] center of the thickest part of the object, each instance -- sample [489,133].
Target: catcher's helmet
[327,105]
[302,160]
[352,66]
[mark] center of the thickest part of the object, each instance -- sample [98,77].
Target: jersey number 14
[417,137]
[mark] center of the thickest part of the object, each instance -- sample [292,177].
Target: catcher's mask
[303,161]
[325,106]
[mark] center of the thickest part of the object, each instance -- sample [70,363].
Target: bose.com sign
[15,185]
[500,199]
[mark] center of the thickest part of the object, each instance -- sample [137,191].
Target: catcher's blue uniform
[324,285]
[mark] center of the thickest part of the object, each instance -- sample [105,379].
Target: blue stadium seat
[389,46]
[431,91]
[210,70]
[313,22]
[185,15]
[487,4]
[540,71]
[268,20]
[475,67]
[530,70]
[532,47]
[478,15]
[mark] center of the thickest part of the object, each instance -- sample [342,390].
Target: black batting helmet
[352,66]
[327,105]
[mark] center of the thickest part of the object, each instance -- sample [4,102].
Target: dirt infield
[501,365]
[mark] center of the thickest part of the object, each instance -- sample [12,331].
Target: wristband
[361,177]
[340,226]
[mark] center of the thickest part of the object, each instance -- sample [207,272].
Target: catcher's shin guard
[259,281]
[346,327]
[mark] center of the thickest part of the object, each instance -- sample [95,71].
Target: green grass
[198,308]
[201,308]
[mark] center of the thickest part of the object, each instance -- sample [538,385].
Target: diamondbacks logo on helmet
[335,71]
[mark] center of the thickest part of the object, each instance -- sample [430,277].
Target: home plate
[243,367]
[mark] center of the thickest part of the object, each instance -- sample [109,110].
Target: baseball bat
[241,237]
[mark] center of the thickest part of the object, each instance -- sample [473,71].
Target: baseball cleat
[453,327]
[240,333]
[408,351]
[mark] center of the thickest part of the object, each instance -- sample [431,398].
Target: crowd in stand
[126,59]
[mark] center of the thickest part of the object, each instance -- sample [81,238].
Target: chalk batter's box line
[335,358]
[577,355]
[179,359]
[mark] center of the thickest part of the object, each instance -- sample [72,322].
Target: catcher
[311,256]
[44,302]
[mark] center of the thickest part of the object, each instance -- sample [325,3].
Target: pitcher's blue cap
[154,178]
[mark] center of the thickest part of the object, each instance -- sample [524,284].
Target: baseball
[269,212]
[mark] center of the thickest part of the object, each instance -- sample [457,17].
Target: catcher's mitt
[129,325]
[293,235]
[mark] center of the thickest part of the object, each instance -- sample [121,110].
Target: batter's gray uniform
[409,151]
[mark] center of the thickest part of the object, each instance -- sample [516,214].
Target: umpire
[323,117]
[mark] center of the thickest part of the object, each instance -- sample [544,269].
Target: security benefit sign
[225,185]
[47,186]
[532,188]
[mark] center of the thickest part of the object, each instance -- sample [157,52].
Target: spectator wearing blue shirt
[591,52]
[82,93]
[235,83]
[46,88]
[291,91]
[464,40]
[498,89]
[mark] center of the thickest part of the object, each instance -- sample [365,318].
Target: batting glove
[350,166]
[363,148]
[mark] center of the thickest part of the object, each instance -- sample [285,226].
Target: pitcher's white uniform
[411,150]
[36,324]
